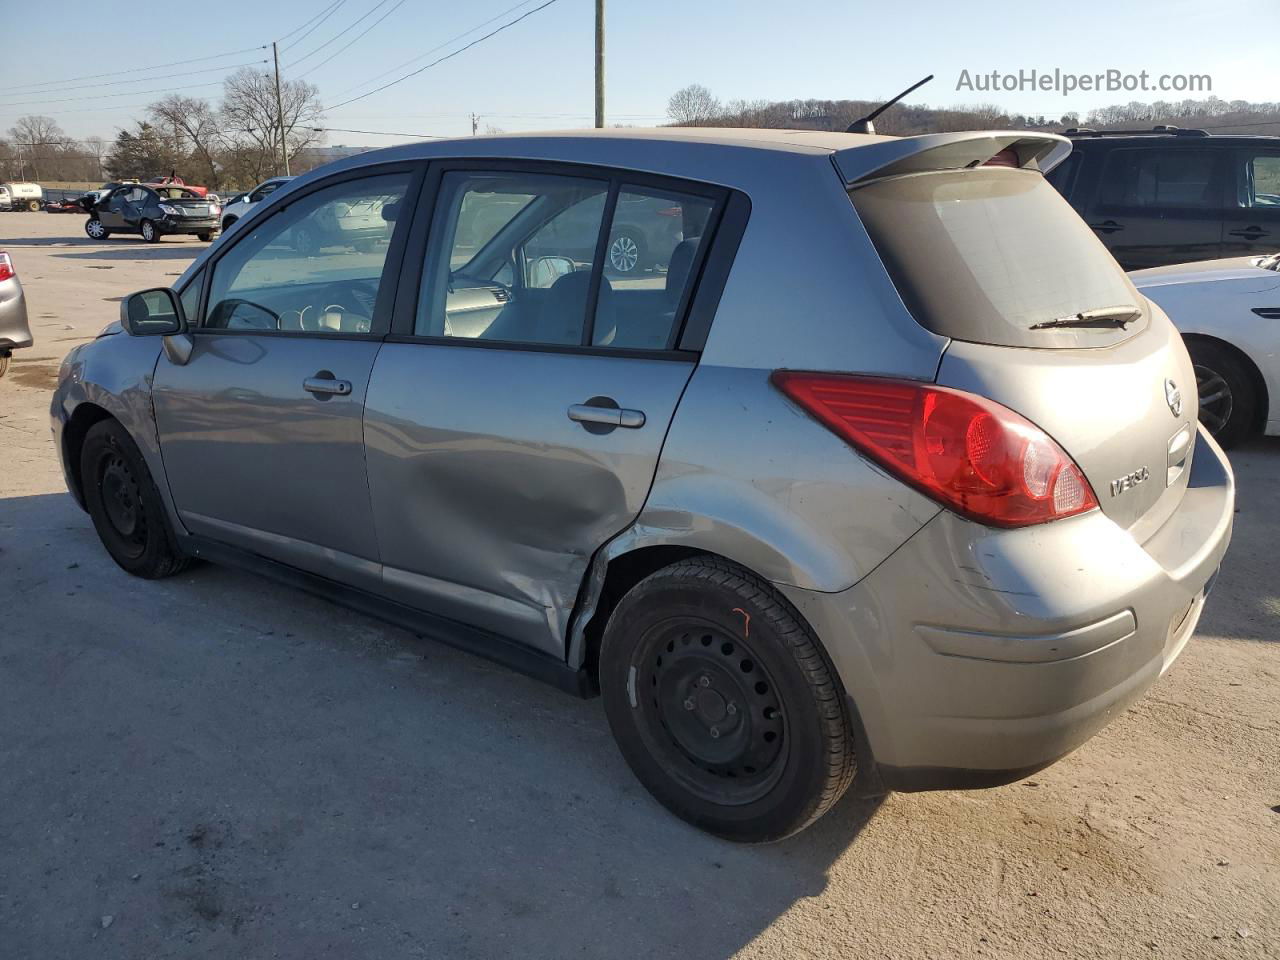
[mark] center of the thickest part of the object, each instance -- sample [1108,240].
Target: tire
[125,505]
[226,224]
[626,254]
[4,365]
[94,229]
[1228,392]
[33,206]
[205,237]
[149,231]
[684,648]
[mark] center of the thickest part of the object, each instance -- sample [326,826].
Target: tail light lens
[969,453]
[6,267]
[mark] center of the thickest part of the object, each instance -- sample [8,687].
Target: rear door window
[1160,179]
[990,254]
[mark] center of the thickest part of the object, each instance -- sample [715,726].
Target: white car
[241,208]
[1228,312]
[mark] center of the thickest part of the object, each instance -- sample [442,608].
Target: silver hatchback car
[877,464]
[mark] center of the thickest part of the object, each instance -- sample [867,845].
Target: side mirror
[543,272]
[152,313]
[390,211]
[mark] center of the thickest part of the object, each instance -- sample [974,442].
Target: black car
[1169,195]
[151,212]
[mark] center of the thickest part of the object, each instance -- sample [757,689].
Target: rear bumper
[975,656]
[15,333]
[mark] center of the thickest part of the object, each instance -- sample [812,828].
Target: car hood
[1206,271]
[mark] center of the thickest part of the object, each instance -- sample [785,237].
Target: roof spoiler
[949,151]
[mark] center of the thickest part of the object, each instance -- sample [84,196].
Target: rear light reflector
[969,453]
[6,267]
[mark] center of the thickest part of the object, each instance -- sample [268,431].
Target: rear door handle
[1107,226]
[326,387]
[1249,233]
[607,416]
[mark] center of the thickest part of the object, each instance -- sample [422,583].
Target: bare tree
[693,105]
[249,117]
[193,125]
[38,141]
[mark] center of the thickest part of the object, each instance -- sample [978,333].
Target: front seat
[559,319]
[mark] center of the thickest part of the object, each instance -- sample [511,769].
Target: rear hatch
[1042,320]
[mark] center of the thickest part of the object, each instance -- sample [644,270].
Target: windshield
[994,255]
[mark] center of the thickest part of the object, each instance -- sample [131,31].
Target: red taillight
[6,267]
[970,453]
[670,211]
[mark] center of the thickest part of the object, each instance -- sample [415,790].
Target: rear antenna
[866,126]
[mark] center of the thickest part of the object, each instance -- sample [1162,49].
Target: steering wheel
[343,309]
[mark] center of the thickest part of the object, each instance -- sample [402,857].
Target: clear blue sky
[538,74]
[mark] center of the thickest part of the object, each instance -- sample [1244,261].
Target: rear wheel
[125,505]
[1228,393]
[723,702]
[627,252]
[305,240]
[33,206]
[4,365]
[205,237]
[226,224]
[95,230]
[149,232]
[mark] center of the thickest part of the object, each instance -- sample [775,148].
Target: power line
[356,40]
[304,25]
[127,93]
[340,33]
[116,73]
[427,53]
[448,56]
[334,9]
[382,133]
[163,76]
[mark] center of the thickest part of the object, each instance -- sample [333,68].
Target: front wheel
[4,366]
[95,230]
[723,702]
[149,232]
[33,206]
[205,237]
[125,505]
[1228,396]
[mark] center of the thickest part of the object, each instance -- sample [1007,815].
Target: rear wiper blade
[1102,317]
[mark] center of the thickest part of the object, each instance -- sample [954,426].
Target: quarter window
[315,266]
[1261,187]
[654,242]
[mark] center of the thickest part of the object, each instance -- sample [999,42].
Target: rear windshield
[989,253]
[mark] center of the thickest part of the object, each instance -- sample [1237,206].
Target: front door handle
[1249,233]
[611,416]
[1107,226]
[324,385]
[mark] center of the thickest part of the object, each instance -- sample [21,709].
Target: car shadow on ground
[140,251]
[251,769]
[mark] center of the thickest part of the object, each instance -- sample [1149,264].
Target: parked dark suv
[1170,195]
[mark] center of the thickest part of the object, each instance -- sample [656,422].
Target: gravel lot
[212,766]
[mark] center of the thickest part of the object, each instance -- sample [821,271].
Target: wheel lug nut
[731,709]
[704,681]
[688,704]
[715,733]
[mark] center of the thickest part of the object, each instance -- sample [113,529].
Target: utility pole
[284,146]
[475,123]
[599,64]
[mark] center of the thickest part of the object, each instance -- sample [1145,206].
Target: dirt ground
[212,766]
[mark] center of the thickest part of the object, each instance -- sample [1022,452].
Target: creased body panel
[489,501]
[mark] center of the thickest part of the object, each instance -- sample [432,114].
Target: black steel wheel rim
[1216,401]
[121,503]
[710,710]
